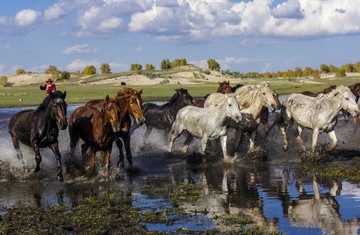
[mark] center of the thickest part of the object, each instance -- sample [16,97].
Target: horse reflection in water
[206,123]
[316,113]
[251,100]
[39,128]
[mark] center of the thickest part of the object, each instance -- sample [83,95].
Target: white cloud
[118,67]
[81,64]
[26,17]
[80,49]
[289,9]
[54,13]
[139,49]
[39,68]
[111,24]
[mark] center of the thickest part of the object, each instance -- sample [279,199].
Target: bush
[165,81]
[3,81]
[52,70]
[65,75]
[90,70]
[20,71]
[341,73]
[105,68]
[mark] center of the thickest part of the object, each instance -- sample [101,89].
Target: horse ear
[107,98]
[139,92]
[63,95]
[219,82]
[51,95]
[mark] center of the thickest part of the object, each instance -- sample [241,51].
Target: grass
[79,92]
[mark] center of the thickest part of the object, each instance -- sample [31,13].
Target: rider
[49,87]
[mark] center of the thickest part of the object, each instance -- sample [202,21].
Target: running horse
[317,113]
[251,99]
[130,105]
[96,127]
[40,128]
[207,123]
[224,88]
[162,117]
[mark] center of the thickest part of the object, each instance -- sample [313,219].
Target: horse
[162,117]
[208,123]
[316,113]
[40,128]
[96,127]
[355,89]
[130,104]
[325,91]
[251,99]
[224,88]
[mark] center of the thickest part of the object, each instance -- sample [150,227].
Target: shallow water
[275,194]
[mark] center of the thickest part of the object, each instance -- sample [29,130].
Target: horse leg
[223,140]
[126,139]
[236,143]
[74,138]
[332,136]
[107,159]
[314,139]
[37,156]
[174,133]
[55,148]
[264,116]
[84,149]
[148,131]
[18,151]
[252,142]
[283,131]
[92,158]
[119,144]
[204,141]
[300,129]
[188,141]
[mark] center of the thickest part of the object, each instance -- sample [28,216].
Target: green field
[80,92]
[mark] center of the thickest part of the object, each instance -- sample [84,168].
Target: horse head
[268,96]
[111,110]
[224,87]
[134,103]
[184,97]
[347,99]
[232,108]
[58,108]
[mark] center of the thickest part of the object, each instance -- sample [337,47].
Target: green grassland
[79,90]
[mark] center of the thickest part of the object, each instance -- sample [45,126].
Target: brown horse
[39,128]
[325,91]
[224,87]
[96,127]
[130,104]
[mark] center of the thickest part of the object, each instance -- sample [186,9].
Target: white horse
[206,123]
[251,99]
[316,113]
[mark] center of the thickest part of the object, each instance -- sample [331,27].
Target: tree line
[212,65]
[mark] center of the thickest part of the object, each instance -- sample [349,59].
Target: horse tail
[282,120]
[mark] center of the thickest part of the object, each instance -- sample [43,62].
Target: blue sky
[246,36]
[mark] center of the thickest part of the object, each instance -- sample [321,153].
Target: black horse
[162,117]
[38,128]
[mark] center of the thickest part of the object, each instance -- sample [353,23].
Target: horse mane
[246,94]
[174,98]
[335,91]
[46,101]
[126,91]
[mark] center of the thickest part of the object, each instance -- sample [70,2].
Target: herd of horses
[235,110]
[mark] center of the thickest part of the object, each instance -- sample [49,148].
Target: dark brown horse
[162,117]
[39,128]
[325,91]
[96,127]
[224,87]
[130,104]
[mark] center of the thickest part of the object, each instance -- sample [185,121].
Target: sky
[245,36]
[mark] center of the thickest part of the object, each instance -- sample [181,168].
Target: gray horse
[316,113]
[206,123]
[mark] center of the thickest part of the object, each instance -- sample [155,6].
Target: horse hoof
[60,178]
[120,164]
[37,169]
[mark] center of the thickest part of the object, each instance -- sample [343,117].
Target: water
[274,194]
